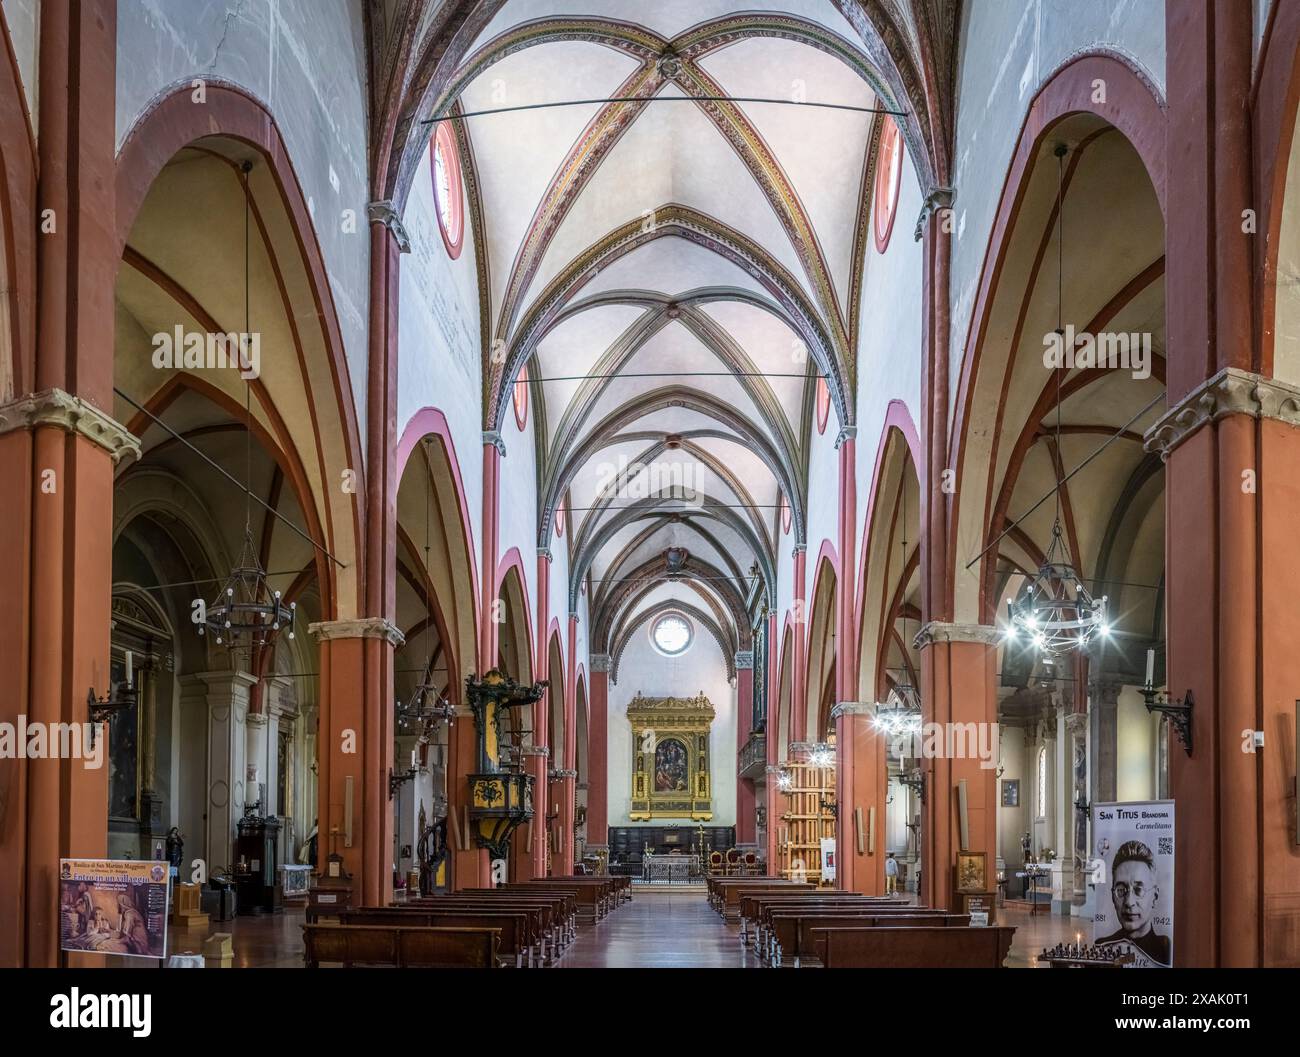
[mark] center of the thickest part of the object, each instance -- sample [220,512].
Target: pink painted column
[799,678]
[745,822]
[598,752]
[542,716]
[567,787]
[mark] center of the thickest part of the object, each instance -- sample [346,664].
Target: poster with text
[828,858]
[113,906]
[1133,849]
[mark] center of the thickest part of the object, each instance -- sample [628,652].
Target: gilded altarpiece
[670,757]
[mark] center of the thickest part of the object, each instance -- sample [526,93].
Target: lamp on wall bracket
[1179,712]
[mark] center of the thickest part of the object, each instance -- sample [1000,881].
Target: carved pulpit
[670,757]
[500,794]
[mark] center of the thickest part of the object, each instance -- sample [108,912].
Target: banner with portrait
[114,906]
[1133,871]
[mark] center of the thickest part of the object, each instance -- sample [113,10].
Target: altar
[670,869]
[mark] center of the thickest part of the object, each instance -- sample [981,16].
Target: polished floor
[658,929]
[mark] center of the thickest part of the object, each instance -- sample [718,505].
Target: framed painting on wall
[1011,792]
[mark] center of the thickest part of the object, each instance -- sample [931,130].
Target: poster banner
[828,858]
[113,906]
[1133,870]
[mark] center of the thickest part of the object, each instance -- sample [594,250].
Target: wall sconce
[1179,712]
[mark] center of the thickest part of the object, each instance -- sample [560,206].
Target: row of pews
[525,924]
[798,925]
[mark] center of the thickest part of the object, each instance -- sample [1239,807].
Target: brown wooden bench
[588,900]
[519,947]
[789,931]
[401,947]
[552,915]
[729,896]
[753,904]
[922,947]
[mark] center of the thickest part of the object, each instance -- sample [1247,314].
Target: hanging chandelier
[900,714]
[1054,611]
[246,613]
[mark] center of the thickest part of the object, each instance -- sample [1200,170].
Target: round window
[785,513]
[889,169]
[448,194]
[521,397]
[671,634]
[823,404]
[559,520]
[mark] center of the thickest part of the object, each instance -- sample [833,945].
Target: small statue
[175,850]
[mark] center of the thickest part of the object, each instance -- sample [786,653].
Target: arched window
[521,397]
[671,634]
[823,404]
[1042,782]
[889,169]
[448,190]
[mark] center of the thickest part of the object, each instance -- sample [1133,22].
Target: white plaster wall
[1135,747]
[306,61]
[701,668]
[1006,52]
[22,18]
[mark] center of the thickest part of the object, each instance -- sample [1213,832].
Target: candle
[1151,667]
[130,673]
[413,759]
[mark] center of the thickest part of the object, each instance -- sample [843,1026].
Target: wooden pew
[730,892]
[755,909]
[589,900]
[552,914]
[401,947]
[565,903]
[790,930]
[518,944]
[921,947]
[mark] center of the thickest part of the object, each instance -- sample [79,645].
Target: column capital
[54,407]
[544,552]
[1230,392]
[257,719]
[600,662]
[853,708]
[1076,722]
[772,768]
[383,212]
[936,199]
[493,437]
[362,628]
[536,750]
[563,772]
[798,549]
[745,659]
[845,433]
[939,631]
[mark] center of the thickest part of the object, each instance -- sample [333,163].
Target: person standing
[891,875]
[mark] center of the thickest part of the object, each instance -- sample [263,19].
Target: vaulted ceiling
[672,274]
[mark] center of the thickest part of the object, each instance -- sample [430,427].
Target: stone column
[598,753]
[744,720]
[355,747]
[861,781]
[958,686]
[227,695]
[1104,735]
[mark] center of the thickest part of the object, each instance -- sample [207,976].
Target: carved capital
[939,198]
[845,433]
[364,628]
[544,552]
[383,213]
[536,750]
[600,662]
[1230,392]
[853,708]
[938,631]
[54,407]
[745,659]
[493,437]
